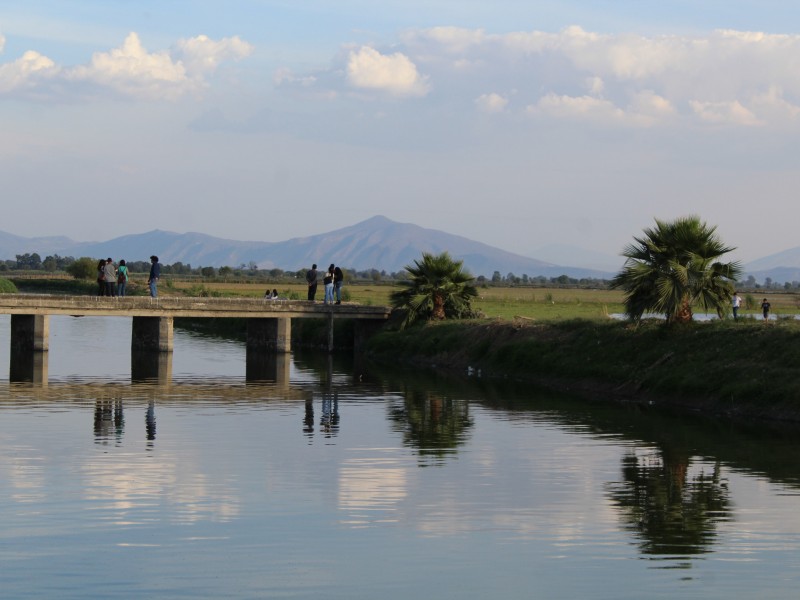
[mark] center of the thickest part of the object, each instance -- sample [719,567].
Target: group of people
[332,279]
[112,280]
[736,301]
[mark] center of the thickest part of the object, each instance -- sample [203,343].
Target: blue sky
[520,124]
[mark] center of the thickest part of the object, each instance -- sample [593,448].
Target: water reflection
[109,421]
[671,510]
[432,423]
[250,481]
[150,423]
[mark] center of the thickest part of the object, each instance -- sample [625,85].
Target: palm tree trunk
[685,313]
[438,307]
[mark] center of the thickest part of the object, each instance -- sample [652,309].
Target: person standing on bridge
[101,278]
[338,279]
[122,278]
[328,281]
[109,276]
[155,273]
[311,279]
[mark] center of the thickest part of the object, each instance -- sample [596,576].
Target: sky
[515,123]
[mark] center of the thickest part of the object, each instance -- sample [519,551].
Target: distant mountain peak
[375,243]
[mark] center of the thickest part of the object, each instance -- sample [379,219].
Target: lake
[347,481]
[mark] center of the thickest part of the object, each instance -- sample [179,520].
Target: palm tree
[673,266]
[439,288]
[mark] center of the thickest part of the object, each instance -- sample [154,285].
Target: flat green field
[544,304]
[503,302]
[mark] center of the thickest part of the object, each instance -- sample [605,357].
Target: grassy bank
[745,368]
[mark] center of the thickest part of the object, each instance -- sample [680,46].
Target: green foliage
[673,266]
[201,291]
[438,289]
[83,268]
[7,287]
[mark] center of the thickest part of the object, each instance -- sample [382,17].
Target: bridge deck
[170,306]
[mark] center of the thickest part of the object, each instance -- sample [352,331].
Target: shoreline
[700,368]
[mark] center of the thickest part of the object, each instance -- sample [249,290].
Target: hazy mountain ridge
[378,243]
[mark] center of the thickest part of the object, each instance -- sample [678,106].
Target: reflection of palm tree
[433,424]
[669,512]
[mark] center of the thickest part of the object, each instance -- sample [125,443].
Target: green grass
[745,367]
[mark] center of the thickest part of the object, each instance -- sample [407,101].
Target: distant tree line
[85,268]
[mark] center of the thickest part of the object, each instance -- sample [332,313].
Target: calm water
[348,483]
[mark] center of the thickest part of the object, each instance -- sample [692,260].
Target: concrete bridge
[268,324]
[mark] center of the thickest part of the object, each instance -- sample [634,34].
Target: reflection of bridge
[269,326]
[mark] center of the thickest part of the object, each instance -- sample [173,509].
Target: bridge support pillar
[269,335]
[30,341]
[152,334]
[30,333]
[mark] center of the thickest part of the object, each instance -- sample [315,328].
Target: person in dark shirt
[155,273]
[311,279]
[338,278]
[765,306]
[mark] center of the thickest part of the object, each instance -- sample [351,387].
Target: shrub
[83,268]
[7,287]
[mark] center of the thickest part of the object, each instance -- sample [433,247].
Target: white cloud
[648,108]
[395,73]
[26,72]
[595,85]
[724,112]
[129,70]
[2,42]
[491,103]
[584,107]
[729,73]
[201,54]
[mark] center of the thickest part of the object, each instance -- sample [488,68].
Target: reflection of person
[109,276]
[328,281]
[329,421]
[155,273]
[338,277]
[308,420]
[765,308]
[736,301]
[150,421]
[311,279]
[122,278]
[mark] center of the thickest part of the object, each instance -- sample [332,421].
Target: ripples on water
[349,483]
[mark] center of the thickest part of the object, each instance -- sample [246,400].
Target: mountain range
[377,243]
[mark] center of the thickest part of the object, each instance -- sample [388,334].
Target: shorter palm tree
[673,266]
[438,288]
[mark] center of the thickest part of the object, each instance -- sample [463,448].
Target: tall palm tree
[439,288]
[673,266]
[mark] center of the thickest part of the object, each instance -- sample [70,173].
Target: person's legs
[153,288]
[338,292]
[121,289]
